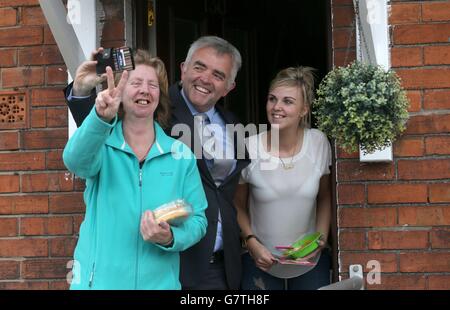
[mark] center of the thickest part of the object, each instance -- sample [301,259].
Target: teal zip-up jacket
[111,253]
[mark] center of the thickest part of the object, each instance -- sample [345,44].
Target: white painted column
[375,50]
[74,31]
[82,16]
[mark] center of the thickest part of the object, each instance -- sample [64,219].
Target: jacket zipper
[91,276]
[137,239]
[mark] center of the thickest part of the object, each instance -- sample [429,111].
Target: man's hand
[86,77]
[108,101]
[154,232]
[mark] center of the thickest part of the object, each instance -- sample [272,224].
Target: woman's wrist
[249,239]
[168,243]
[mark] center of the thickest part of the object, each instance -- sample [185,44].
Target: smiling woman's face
[141,94]
[285,107]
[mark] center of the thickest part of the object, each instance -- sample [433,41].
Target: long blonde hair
[302,78]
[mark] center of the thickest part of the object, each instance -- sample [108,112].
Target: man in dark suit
[207,75]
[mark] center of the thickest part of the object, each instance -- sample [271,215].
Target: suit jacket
[195,260]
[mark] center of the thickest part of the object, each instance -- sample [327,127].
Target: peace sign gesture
[108,101]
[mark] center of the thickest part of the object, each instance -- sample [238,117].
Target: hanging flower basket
[362,105]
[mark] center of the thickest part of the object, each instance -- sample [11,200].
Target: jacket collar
[162,144]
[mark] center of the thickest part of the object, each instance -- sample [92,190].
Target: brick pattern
[113,27]
[41,204]
[399,213]
[344,38]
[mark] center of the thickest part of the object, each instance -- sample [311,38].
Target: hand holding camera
[86,77]
[93,71]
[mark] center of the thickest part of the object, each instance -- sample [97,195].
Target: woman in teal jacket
[131,167]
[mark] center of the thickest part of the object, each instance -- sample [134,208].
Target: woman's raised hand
[108,101]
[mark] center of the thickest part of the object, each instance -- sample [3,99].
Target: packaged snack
[173,212]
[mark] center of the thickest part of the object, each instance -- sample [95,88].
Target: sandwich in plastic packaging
[174,212]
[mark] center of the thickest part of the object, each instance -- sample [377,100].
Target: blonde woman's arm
[240,202]
[261,255]
[323,213]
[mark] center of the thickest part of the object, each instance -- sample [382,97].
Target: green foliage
[361,104]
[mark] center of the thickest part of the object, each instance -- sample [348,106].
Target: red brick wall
[113,28]
[41,204]
[399,213]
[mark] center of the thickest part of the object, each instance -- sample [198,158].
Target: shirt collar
[210,113]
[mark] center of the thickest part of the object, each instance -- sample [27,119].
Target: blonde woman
[285,192]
